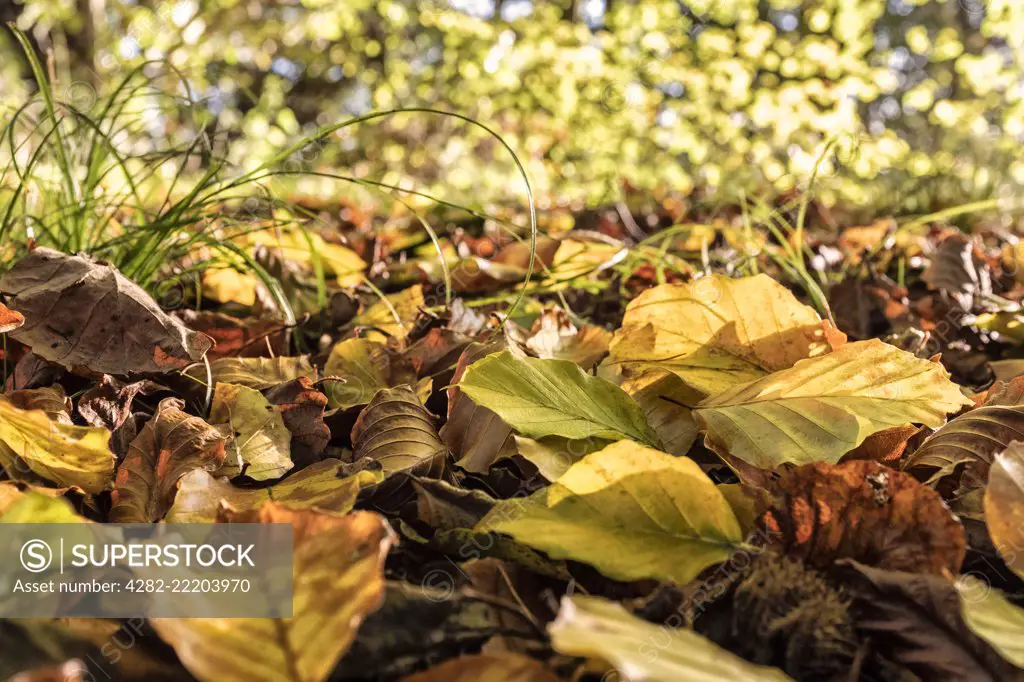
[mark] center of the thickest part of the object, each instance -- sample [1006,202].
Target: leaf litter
[618,469]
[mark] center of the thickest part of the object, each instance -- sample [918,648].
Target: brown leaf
[969,441]
[914,619]
[489,667]
[170,445]
[83,313]
[10,319]
[109,403]
[398,432]
[476,436]
[302,408]
[867,512]
[50,399]
[238,338]
[554,336]
[959,268]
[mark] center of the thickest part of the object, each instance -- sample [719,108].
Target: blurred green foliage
[713,97]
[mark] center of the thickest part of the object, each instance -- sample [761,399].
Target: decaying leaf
[83,313]
[914,619]
[542,398]
[170,445]
[604,631]
[338,572]
[10,319]
[1004,506]
[302,408]
[970,440]
[867,512]
[108,404]
[260,445]
[715,332]
[958,268]
[629,511]
[397,431]
[33,446]
[554,337]
[823,407]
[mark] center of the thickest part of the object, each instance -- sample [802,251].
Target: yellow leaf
[823,407]
[261,443]
[32,443]
[715,332]
[630,511]
[339,578]
[228,285]
[1004,506]
[302,246]
[395,314]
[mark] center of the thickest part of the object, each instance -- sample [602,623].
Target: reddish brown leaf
[302,408]
[238,338]
[170,445]
[10,319]
[885,446]
[864,511]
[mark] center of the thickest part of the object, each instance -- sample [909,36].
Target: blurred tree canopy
[923,98]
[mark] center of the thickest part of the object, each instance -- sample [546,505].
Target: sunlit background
[709,99]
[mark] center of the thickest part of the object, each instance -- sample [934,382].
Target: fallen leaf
[10,319]
[322,486]
[958,268]
[992,618]
[230,285]
[83,313]
[366,367]
[555,337]
[306,247]
[302,408]
[238,337]
[489,667]
[397,431]
[715,332]
[170,445]
[1004,505]
[823,407]
[665,398]
[50,399]
[972,439]
[108,404]
[914,619]
[646,652]
[476,435]
[258,373]
[867,512]
[554,455]
[394,315]
[542,398]
[884,446]
[260,446]
[338,569]
[629,511]
[34,445]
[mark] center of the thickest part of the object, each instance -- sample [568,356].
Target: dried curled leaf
[715,332]
[959,268]
[867,512]
[914,619]
[83,313]
[170,445]
[397,431]
[339,579]
[302,408]
[970,440]
[821,408]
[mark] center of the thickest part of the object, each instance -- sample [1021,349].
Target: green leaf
[823,407]
[629,511]
[33,444]
[261,443]
[542,398]
[990,616]
[604,631]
